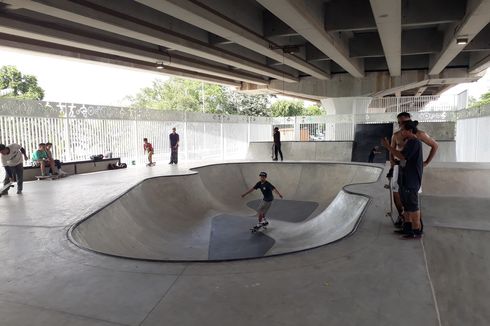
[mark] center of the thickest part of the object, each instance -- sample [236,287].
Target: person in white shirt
[13,157]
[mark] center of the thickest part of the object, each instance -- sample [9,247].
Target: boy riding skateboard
[266,188]
[148,148]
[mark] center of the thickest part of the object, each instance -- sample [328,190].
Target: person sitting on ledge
[40,158]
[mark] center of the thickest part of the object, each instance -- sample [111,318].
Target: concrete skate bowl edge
[202,217]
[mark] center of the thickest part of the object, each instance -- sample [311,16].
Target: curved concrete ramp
[201,216]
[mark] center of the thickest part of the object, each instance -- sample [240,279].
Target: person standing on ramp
[277,144]
[267,188]
[174,146]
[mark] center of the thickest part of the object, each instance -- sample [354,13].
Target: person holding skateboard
[398,142]
[266,188]
[13,157]
[148,148]
[410,178]
[174,146]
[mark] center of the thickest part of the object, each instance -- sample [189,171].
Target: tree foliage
[187,95]
[287,108]
[483,100]
[190,95]
[19,85]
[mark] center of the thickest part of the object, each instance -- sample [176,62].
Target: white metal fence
[78,131]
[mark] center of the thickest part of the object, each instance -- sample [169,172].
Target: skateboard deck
[258,228]
[45,177]
[6,187]
[390,212]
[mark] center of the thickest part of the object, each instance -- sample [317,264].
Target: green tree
[245,104]
[483,100]
[190,95]
[19,85]
[313,110]
[287,108]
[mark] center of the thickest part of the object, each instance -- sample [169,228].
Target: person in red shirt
[148,147]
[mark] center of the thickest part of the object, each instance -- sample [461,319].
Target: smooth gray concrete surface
[303,151]
[231,238]
[368,278]
[287,210]
[170,218]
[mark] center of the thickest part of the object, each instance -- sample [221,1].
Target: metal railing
[79,131]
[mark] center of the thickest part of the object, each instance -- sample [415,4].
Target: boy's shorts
[264,207]
[394,180]
[410,199]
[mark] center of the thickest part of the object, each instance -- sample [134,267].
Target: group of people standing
[174,140]
[407,166]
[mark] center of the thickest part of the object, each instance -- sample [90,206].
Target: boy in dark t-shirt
[410,178]
[266,188]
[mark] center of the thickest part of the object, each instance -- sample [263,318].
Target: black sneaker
[412,236]
[19,192]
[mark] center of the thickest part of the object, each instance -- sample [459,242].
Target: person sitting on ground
[267,188]
[148,148]
[410,178]
[57,163]
[14,165]
[40,158]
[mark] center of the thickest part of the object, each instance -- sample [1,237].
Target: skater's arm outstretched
[248,191]
[277,192]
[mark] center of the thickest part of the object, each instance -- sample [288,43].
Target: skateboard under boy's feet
[259,227]
[151,164]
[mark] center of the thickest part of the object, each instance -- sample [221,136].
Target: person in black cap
[409,178]
[267,188]
[277,144]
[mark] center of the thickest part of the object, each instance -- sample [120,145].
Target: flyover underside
[305,49]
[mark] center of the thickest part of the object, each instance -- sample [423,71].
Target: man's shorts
[264,207]
[394,180]
[410,199]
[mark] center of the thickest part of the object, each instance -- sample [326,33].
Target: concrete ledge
[75,167]
[337,151]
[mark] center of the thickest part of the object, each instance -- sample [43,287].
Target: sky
[81,81]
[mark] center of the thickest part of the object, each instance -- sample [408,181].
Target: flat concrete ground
[369,278]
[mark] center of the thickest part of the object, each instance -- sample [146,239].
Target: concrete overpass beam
[210,20]
[16,27]
[387,14]
[303,20]
[476,18]
[78,13]
[339,16]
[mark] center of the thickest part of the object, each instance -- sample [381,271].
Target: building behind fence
[79,130]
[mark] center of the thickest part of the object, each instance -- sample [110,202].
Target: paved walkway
[369,278]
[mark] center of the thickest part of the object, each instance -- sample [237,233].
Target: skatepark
[371,269]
